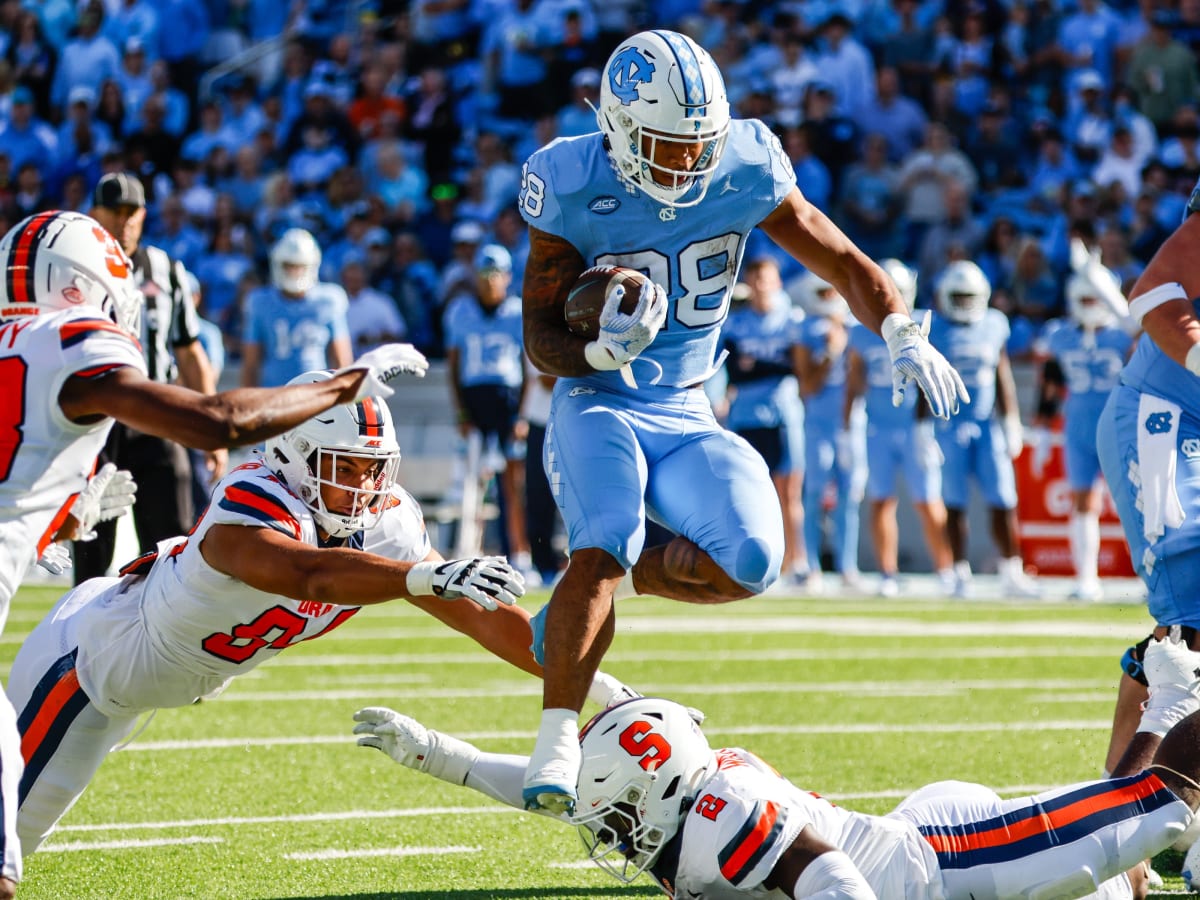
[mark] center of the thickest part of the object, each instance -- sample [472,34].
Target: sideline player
[70,366]
[897,445]
[655,797]
[672,186]
[984,437]
[277,558]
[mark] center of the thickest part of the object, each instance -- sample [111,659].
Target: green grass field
[263,794]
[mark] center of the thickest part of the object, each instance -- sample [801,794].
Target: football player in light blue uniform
[984,437]
[897,447]
[765,406]
[670,185]
[487,376]
[1084,356]
[1149,443]
[833,452]
[297,324]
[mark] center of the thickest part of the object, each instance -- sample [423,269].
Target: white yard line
[351,814]
[381,851]
[127,845]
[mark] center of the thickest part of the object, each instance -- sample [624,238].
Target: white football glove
[1014,435]
[109,494]
[1039,438]
[384,365]
[915,359]
[623,336]
[55,559]
[411,744]
[488,580]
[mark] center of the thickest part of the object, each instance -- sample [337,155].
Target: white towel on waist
[1158,424]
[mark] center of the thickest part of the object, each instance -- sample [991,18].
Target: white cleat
[888,586]
[551,788]
[1087,592]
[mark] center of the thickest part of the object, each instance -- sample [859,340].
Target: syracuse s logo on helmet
[629,69]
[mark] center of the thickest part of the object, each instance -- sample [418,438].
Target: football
[588,295]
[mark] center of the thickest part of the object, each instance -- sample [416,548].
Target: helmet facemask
[616,838]
[365,506]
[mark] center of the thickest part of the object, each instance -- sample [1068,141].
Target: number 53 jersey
[45,459]
[176,629]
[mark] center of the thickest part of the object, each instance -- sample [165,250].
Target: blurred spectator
[374,104]
[834,138]
[515,69]
[1054,168]
[994,150]
[88,59]
[32,58]
[241,112]
[898,118]
[133,79]
[411,281]
[1114,253]
[434,229]
[956,235]
[1146,231]
[434,125]
[212,133]
[997,254]
[25,138]
[1145,134]
[1087,40]
[181,44]
[159,147]
[372,316]
[176,108]
[1089,124]
[443,32]
[579,116]
[175,234]
[870,201]
[847,65]
[82,141]
[321,123]
[1162,71]
[972,62]
[789,79]
[220,270]
[909,50]
[29,197]
[573,47]
[134,21]
[458,275]
[812,176]
[1120,163]
[246,183]
[509,231]
[925,176]
[313,163]
[1031,296]
[402,188]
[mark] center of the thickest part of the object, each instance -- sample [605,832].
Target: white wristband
[1193,360]
[1155,297]
[599,358]
[892,323]
[420,579]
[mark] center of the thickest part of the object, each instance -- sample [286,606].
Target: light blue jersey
[1152,371]
[615,454]
[1091,364]
[877,362]
[489,343]
[823,410]
[973,349]
[294,334]
[571,190]
[760,367]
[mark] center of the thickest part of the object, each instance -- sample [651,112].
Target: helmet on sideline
[904,278]
[963,292]
[296,247]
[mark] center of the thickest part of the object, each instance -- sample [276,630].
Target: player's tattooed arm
[553,266]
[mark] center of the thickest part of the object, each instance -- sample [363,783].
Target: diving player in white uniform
[672,186]
[277,558]
[721,825]
[984,437]
[69,367]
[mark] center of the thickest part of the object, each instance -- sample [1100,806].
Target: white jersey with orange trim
[400,533]
[176,629]
[948,841]
[45,459]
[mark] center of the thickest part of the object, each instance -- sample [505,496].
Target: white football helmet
[1085,297]
[643,761]
[295,248]
[363,430]
[662,87]
[963,292]
[61,260]
[904,278]
[816,296]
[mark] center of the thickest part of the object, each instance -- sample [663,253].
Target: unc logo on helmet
[628,69]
